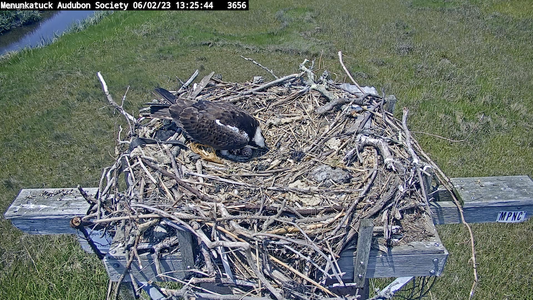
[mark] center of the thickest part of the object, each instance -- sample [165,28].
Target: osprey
[222,126]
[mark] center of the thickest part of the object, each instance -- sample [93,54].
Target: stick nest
[274,226]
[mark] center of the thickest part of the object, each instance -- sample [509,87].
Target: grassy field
[10,19]
[463,68]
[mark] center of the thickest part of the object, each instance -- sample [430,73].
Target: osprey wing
[214,125]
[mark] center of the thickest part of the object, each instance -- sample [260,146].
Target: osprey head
[256,147]
[258,140]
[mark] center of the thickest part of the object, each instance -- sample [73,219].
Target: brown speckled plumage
[222,126]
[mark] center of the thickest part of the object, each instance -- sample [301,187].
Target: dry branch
[281,220]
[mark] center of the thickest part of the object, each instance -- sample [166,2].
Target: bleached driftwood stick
[237,97]
[129,117]
[348,73]
[203,83]
[416,160]
[261,66]
[313,85]
[188,82]
[269,84]
[363,140]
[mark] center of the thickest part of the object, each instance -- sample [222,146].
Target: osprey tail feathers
[166,94]
[160,111]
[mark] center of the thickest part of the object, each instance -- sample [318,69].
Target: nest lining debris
[273,226]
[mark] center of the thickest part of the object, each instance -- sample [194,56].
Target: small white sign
[511,216]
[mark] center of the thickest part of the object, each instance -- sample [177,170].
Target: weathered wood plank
[484,198]
[364,242]
[186,249]
[47,211]
[170,265]
[422,258]
[414,259]
[175,265]
[101,239]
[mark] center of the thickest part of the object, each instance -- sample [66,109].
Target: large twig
[131,120]
[188,82]
[348,73]
[363,140]
[262,87]
[408,143]
[301,275]
[126,270]
[261,66]
[416,160]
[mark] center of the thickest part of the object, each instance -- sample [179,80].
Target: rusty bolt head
[75,222]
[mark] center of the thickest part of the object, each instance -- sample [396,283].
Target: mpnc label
[511,216]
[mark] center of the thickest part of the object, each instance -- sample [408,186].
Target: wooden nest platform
[286,223]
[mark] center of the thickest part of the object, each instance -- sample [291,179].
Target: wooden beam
[413,259]
[364,241]
[47,211]
[421,258]
[486,199]
[170,265]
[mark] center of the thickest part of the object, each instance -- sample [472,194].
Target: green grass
[504,257]
[449,62]
[10,19]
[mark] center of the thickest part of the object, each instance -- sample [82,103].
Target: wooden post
[486,199]
[364,241]
[49,211]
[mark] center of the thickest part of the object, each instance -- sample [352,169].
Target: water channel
[43,32]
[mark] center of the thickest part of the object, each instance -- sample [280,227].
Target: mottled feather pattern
[220,125]
[200,122]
